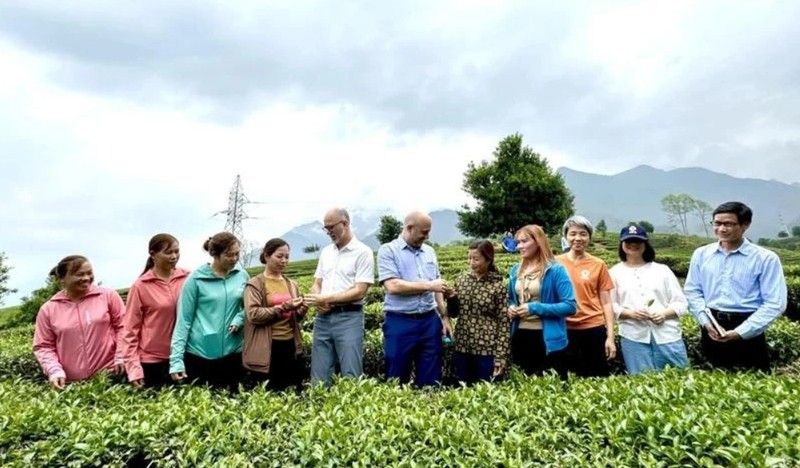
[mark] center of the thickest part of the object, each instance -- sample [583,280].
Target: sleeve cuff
[57,374]
[176,367]
[745,331]
[701,317]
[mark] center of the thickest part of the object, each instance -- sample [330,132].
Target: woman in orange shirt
[591,331]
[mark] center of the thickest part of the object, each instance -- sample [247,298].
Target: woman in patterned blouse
[482,332]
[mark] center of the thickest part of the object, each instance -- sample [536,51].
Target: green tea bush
[674,418]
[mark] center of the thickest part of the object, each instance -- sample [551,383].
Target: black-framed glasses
[727,224]
[329,227]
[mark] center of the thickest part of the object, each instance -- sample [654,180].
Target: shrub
[667,419]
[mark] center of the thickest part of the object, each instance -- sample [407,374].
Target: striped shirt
[747,280]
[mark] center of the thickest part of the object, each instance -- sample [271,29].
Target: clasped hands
[643,315]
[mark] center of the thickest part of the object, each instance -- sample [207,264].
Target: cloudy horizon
[120,121]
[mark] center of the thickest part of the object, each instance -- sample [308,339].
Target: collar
[350,245]
[745,249]
[61,296]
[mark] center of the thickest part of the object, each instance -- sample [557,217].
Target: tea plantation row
[689,418]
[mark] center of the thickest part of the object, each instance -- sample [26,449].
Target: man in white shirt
[345,270]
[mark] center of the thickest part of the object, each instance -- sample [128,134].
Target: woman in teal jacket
[207,341]
[540,297]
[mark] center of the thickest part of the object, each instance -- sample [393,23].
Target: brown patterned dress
[482,327]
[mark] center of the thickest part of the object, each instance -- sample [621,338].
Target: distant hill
[365,225]
[632,195]
[636,195]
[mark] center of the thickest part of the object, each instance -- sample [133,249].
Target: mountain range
[636,195]
[365,224]
[632,195]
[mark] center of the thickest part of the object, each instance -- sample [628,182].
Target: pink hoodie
[76,339]
[149,319]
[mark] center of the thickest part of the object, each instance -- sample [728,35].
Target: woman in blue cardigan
[540,297]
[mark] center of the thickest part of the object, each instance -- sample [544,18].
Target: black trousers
[528,352]
[586,352]
[751,354]
[285,368]
[223,373]
[156,374]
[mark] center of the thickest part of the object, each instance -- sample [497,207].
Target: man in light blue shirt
[415,314]
[741,285]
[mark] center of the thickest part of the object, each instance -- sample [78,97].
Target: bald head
[337,214]
[417,228]
[337,224]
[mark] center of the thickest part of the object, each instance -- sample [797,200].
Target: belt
[730,316]
[413,315]
[346,308]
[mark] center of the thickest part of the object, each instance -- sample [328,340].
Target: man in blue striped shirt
[741,285]
[415,316]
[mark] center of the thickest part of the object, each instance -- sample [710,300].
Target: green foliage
[601,228]
[795,231]
[703,212]
[648,226]
[31,304]
[389,229]
[5,268]
[782,234]
[667,419]
[678,207]
[673,418]
[517,187]
[311,248]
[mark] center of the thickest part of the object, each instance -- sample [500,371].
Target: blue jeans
[643,357]
[472,368]
[417,340]
[337,335]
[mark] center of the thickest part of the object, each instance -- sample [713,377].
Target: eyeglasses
[727,224]
[329,227]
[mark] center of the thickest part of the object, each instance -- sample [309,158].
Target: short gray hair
[579,221]
[342,213]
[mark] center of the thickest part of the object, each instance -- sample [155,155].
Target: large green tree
[389,229]
[5,268]
[517,187]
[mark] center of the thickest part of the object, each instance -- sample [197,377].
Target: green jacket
[207,307]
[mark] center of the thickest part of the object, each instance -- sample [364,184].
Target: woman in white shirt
[648,303]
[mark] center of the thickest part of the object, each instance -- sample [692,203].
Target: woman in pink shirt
[150,314]
[78,328]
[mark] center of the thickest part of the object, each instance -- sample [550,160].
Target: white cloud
[116,123]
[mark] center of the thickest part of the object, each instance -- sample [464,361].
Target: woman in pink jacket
[150,314]
[78,328]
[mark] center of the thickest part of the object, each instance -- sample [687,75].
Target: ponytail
[148,265]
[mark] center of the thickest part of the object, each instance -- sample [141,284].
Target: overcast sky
[119,121]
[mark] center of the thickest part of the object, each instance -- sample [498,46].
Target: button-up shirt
[747,280]
[634,288]
[397,259]
[340,269]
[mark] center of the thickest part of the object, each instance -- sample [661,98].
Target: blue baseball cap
[633,231]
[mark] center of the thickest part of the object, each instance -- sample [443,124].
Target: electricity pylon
[235,215]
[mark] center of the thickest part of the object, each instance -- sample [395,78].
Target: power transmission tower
[235,215]
[783,224]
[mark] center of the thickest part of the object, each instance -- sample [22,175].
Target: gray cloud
[420,72]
